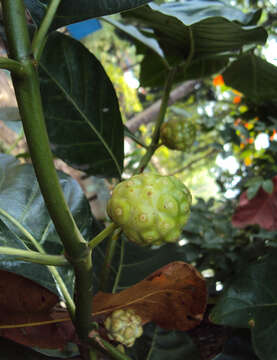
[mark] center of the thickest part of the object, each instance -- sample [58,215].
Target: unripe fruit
[124,326]
[151,209]
[178,133]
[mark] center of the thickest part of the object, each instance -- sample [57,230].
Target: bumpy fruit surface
[178,134]
[124,326]
[151,209]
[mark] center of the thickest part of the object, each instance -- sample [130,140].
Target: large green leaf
[158,344]
[23,216]
[71,11]
[250,301]
[154,67]
[253,76]
[199,28]
[81,108]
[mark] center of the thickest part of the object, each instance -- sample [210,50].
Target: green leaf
[137,36]
[250,302]
[268,186]
[198,28]
[21,199]
[158,344]
[253,76]
[253,190]
[71,11]
[81,108]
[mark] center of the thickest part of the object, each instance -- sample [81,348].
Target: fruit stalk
[156,134]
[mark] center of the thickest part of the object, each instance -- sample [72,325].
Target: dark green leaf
[71,11]
[253,190]
[134,262]
[199,29]
[173,345]
[253,76]
[21,199]
[137,36]
[250,301]
[153,72]
[268,186]
[81,108]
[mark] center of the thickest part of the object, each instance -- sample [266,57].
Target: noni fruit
[178,133]
[124,326]
[151,209]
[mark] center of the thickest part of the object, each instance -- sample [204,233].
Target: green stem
[40,36]
[106,269]
[102,235]
[34,256]
[13,66]
[156,134]
[119,270]
[17,140]
[108,348]
[31,111]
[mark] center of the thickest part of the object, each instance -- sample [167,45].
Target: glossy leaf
[134,34]
[71,11]
[253,76]
[250,302]
[81,108]
[260,210]
[21,199]
[174,345]
[198,29]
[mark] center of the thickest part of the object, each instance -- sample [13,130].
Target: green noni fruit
[151,209]
[178,133]
[124,326]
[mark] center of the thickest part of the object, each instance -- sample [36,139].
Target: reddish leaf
[23,295]
[261,210]
[22,301]
[174,297]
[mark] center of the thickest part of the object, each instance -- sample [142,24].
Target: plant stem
[13,66]
[102,235]
[96,341]
[31,111]
[17,140]
[34,257]
[156,134]
[40,36]
[106,269]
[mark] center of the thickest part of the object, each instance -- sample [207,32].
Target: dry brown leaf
[174,297]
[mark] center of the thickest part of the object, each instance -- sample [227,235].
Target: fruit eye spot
[118,211]
[149,193]
[143,217]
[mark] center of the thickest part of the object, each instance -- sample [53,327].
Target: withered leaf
[174,297]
